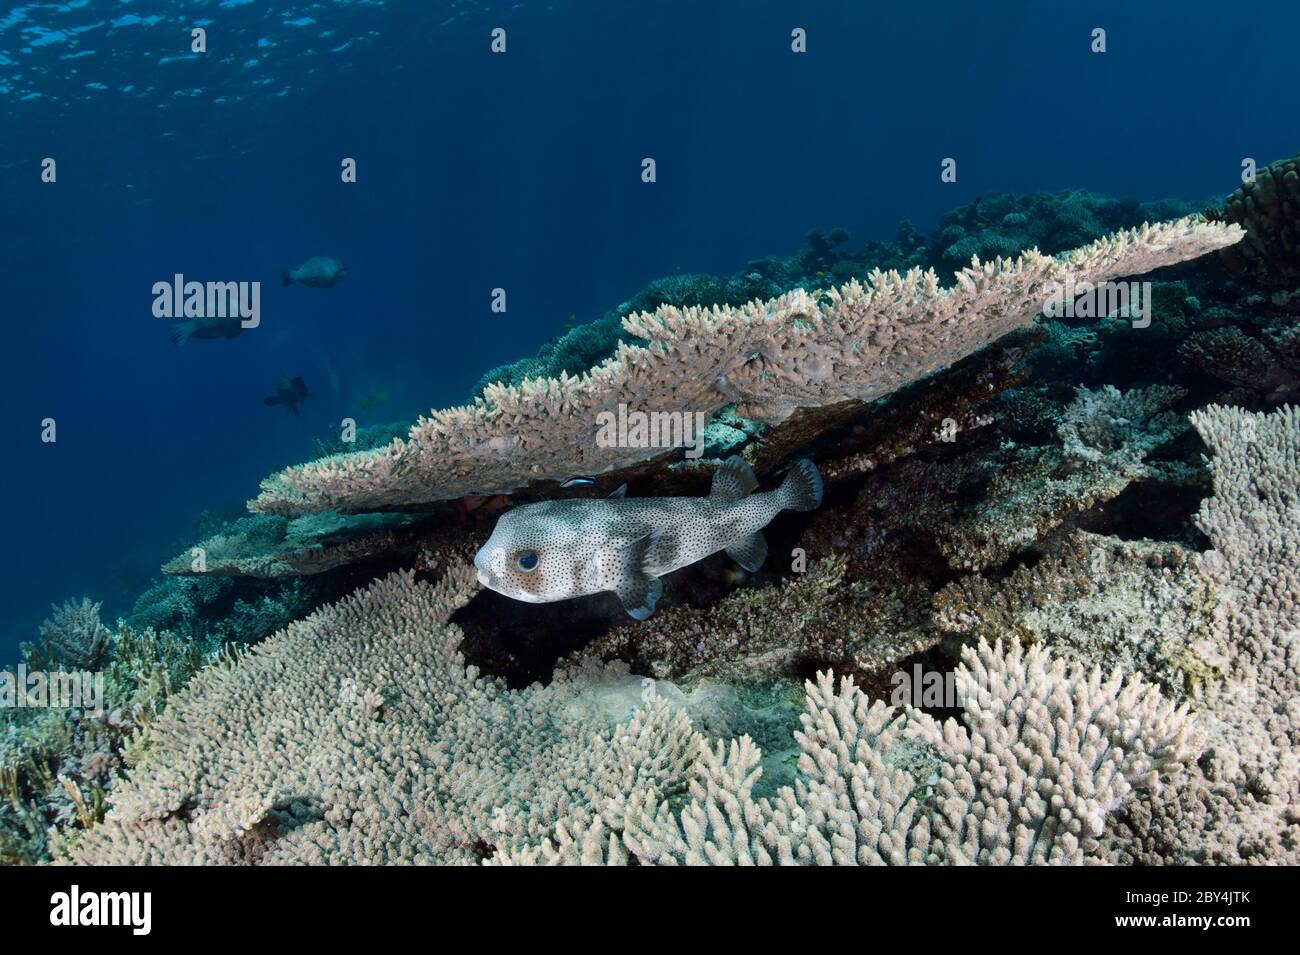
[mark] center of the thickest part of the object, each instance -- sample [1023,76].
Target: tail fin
[802,488]
[285,277]
[181,333]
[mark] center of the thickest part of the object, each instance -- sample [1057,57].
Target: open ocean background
[476,171]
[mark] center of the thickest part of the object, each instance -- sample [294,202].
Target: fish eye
[527,560]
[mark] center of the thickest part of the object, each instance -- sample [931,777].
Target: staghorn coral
[769,358]
[1047,752]
[1242,802]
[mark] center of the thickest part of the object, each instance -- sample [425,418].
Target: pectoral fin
[637,589]
[640,595]
[749,552]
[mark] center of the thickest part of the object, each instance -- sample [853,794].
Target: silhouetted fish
[290,392]
[205,328]
[320,272]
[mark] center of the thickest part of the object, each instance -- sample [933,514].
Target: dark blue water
[478,171]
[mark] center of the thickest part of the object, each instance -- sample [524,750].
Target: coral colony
[1043,606]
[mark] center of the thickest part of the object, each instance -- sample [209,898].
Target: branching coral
[1046,754]
[359,736]
[71,637]
[769,358]
[1242,804]
[57,765]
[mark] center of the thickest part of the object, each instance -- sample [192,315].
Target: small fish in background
[205,328]
[373,400]
[321,272]
[290,392]
[555,550]
[577,482]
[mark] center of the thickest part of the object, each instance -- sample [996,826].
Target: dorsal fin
[733,479]
[620,491]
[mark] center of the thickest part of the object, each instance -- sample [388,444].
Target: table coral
[769,358]
[268,546]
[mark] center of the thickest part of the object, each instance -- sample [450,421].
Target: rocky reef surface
[1047,612]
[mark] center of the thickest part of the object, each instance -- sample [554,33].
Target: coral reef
[57,765]
[212,611]
[1045,755]
[359,735]
[769,358]
[1005,225]
[1269,210]
[408,758]
[379,745]
[1027,521]
[873,565]
[754,633]
[272,546]
[978,506]
[1242,800]
[1268,367]
[73,637]
[1140,606]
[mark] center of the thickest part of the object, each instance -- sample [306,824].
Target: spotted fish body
[555,550]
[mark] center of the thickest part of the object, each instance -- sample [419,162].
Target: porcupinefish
[320,272]
[555,550]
